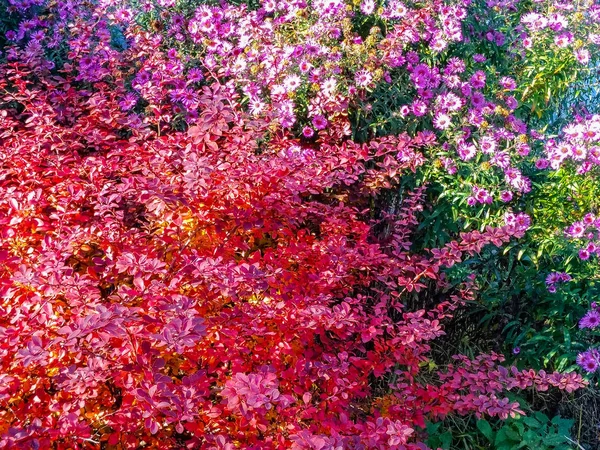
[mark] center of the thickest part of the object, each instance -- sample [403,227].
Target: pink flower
[506,196]
[367,7]
[442,121]
[319,122]
[128,102]
[488,144]
[583,55]
[563,39]
[419,108]
[478,79]
[438,45]
[576,230]
[466,152]
[363,78]
[589,219]
[584,254]
[508,83]
[396,10]
[308,132]
[292,82]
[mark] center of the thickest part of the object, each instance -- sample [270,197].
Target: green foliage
[533,432]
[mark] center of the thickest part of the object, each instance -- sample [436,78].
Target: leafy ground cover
[307,225]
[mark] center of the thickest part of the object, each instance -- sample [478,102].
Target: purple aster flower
[449,165]
[588,360]
[576,230]
[583,56]
[412,57]
[466,152]
[195,75]
[455,65]
[523,149]
[478,79]
[487,144]
[589,219]
[508,83]
[177,20]
[319,122]
[128,102]
[564,277]
[419,108]
[590,320]
[506,196]
[308,132]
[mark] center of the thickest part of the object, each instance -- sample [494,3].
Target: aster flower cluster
[558,25]
[585,233]
[589,360]
[471,127]
[479,196]
[579,145]
[555,278]
[591,318]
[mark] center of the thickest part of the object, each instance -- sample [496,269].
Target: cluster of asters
[590,359]
[585,233]
[579,145]
[555,278]
[578,148]
[292,63]
[568,26]
[473,128]
[180,269]
[292,57]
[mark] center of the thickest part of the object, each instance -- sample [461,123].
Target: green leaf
[554,439]
[564,425]
[446,439]
[512,434]
[531,422]
[486,429]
